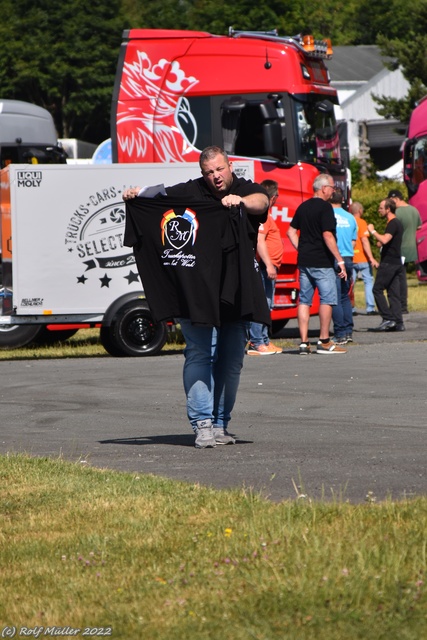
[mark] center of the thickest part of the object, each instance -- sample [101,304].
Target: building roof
[355,63]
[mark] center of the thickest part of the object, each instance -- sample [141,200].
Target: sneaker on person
[204,435]
[272,347]
[260,350]
[341,340]
[329,347]
[304,349]
[222,436]
[386,325]
[398,327]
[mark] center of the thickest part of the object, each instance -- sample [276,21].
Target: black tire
[46,336]
[14,336]
[133,332]
[278,325]
[108,342]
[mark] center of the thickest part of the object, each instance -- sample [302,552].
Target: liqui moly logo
[29,179]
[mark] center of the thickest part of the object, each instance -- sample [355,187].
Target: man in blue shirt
[342,313]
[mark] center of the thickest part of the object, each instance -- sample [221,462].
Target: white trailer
[64,261]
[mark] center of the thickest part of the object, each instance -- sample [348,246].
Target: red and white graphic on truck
[161,85]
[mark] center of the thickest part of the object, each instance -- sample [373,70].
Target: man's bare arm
[265,256]
[368,252]
[293,237]
[383,238]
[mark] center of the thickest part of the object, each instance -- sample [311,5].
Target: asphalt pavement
[346,427]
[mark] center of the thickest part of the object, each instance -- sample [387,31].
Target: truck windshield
[317,132]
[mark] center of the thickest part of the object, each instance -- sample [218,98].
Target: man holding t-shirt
[216,292]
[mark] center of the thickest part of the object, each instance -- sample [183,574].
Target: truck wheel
[46,336]
[133,332]
[18,335]
[108,342]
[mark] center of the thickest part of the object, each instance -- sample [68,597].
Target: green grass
[85,343]
[417,294]
[166,560]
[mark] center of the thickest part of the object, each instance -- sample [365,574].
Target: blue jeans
[342,313]
[258,333]
[365,270]
[213,362]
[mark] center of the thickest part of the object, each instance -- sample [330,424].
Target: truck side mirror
[230,117]
[408,150]
[408,166]
[272,134]
[273,130]
[325,106]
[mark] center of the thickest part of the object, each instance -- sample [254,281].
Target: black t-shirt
[195,257]
[391,252]
[199,190]
[312,218]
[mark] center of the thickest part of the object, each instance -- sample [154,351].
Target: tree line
[63,55]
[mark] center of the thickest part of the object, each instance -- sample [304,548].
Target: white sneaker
[204,435]
[222,436]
